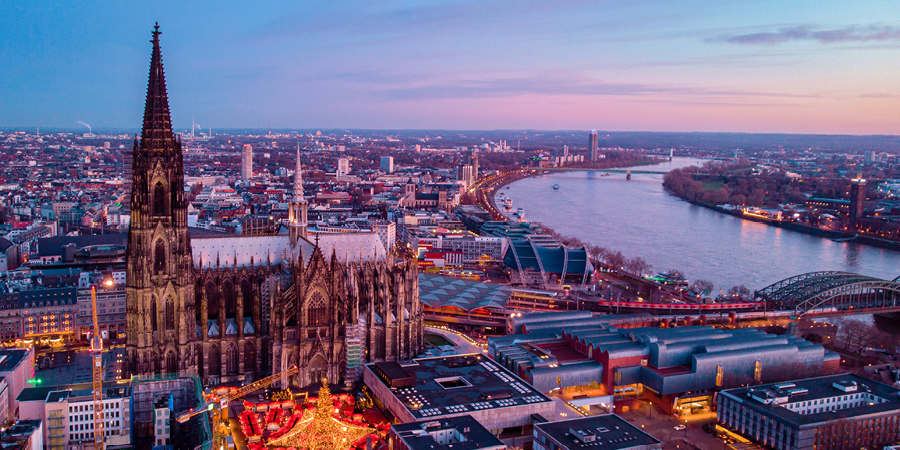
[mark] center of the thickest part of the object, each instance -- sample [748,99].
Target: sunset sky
[745,66]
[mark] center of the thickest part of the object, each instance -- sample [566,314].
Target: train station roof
[437,291]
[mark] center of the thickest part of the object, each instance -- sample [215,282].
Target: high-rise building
[387,164]
[465,173]
[857,201]
[593,146]
[565,151]
[343,166]
[473,161]
[247,162]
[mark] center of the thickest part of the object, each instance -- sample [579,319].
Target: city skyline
[699,66]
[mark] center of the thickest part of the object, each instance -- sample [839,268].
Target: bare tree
[702,287]
[850,334]
[616,259]
[739,291]
[638,266]
[595,251]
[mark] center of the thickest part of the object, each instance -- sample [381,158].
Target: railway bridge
[831,293]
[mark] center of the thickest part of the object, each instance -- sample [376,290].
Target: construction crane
[97,367]
[214,402]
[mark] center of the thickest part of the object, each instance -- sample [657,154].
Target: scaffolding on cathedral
[319,429]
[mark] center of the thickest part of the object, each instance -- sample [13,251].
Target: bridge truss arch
[830,292]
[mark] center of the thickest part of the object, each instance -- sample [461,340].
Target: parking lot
[663,427]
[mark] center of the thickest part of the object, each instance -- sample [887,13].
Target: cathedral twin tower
[232,308]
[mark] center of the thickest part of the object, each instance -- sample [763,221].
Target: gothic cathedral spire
[159,291]
[297,215]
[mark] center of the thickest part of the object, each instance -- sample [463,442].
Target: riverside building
[832,412]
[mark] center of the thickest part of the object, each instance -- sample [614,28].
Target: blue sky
[754,66]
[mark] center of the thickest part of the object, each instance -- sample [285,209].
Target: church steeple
[157,132]
[297,214]
[159,291]
[298,177]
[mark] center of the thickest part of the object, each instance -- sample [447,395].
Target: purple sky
[756,66]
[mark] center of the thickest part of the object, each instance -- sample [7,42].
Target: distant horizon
[809,67]
[176,130]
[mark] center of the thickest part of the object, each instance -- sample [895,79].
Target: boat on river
[555,187]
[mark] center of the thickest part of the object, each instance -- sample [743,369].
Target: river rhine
[639,218]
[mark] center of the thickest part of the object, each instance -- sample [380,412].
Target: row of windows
[87,436]
[31,319]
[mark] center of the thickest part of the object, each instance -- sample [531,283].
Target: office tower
[387,164]
[343,166]
[857,201]
[565,151]
[247,162]
[473,161]
[465,173]
[593,146]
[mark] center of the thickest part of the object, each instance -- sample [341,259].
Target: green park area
[437,340]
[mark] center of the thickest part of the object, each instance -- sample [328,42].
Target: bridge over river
[831,293]
[815,294]
[632,171]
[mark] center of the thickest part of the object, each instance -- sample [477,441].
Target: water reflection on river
[639,218]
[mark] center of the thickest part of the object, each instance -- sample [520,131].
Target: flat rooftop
[777,399]
[50,394]
[470,434]
[10,358]
[608,431]
[458,384]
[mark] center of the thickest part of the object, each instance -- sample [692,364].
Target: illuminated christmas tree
[322,431]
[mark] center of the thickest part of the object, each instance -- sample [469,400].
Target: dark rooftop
[10,358]
[18,433]
[812,389]
[194,233]
[609,430]
[417,435]
[111,389]
[460,384]
[53,246]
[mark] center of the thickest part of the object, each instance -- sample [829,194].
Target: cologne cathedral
[231,308]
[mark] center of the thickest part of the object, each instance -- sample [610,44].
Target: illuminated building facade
[680,368]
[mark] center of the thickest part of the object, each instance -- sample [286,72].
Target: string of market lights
[320,430]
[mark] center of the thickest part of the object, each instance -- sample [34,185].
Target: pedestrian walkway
[462,344]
